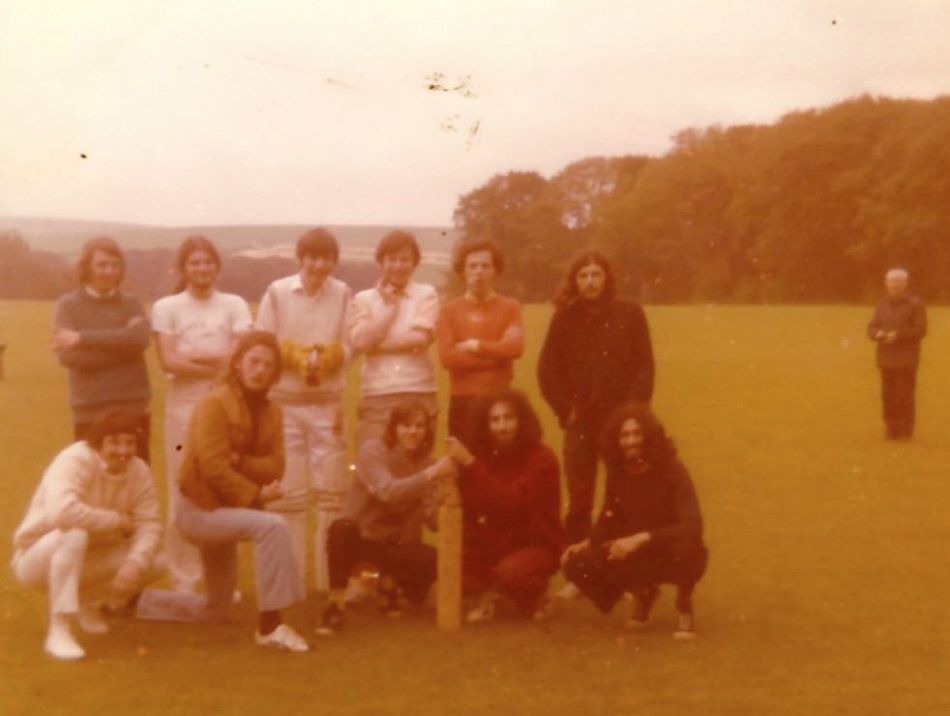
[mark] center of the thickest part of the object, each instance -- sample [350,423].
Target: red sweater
[497,325]
[512,502]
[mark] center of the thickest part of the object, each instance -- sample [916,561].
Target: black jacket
[905,315]
[595,360]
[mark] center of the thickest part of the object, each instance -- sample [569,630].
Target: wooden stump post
[449,588]
[3,348]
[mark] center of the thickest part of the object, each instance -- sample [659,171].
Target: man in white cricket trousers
[308,312]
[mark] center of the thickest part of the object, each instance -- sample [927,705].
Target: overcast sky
[288,111]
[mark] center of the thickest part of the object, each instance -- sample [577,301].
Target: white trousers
[184,562]
[316,479]
[73,571]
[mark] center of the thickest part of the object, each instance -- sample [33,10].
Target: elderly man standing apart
[92,530]
[393,323]
[308,312]
[479,334]
[100,334]
[898,325]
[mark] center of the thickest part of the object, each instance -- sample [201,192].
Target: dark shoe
[685,626]
[643,601]
[332,620]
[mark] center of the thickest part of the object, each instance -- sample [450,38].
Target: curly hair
[469,246]
[568,293]
[658,448]
[187,248]
[402,413]
[112,421]
[105,244]
[250,340]
[529,427]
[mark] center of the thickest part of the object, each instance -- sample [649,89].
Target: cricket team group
[255,448]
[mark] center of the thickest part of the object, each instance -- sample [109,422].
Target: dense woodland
[812,208]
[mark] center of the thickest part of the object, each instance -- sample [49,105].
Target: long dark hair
[529,427]
[105,244]
[247,341]
[658,448]
[567,294]
[187,248]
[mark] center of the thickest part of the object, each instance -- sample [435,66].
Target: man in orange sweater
[479,334]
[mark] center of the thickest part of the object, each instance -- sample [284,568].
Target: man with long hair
[393,325]
[100,335]
[394,494]
[234,458]
[479,334]
[509,483]
[196,329]
[92,530]
[596,355]
[650,530]
[308,312]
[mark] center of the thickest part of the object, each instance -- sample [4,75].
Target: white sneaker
[60,642]
[283,637]
[568,591]
[90,621]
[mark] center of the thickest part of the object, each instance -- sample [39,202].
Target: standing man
[898,325]
[308,313]
[100,334]
[196,330]
[479,334]
[596,355]
[92,530]
[394,324]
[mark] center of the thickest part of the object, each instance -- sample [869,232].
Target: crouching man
[92,530]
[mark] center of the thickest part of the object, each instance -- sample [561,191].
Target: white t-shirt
[200,325]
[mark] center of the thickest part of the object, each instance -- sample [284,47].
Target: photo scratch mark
[436,82]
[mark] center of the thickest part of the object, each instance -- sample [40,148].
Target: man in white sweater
[92,530]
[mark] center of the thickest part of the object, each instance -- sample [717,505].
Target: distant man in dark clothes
[897,326]
[596,355]
[650,530]
[100,334]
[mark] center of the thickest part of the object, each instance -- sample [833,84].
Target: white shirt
[408,371]
[288,312]
[200,325]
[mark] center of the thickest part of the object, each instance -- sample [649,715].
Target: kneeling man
[92,529]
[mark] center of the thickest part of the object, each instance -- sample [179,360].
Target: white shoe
[283,637]
[568,591]
[60,642]
[485,610]
[90,621]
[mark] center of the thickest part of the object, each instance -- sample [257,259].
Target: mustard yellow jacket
[225,463]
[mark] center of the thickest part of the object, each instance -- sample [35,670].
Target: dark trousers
[521,574]
[461,411]
[604,581]
[80,429]
[412,566]
[580,471]
[897,396]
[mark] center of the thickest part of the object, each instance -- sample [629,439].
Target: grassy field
[827,591]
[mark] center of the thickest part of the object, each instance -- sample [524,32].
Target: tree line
[814,207]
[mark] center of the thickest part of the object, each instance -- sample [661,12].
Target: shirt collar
[96,294]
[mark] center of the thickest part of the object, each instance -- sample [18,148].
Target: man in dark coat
[898,325]
[596,355]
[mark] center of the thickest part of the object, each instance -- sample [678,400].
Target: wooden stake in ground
[449,586]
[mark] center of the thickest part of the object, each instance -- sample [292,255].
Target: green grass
[827,590]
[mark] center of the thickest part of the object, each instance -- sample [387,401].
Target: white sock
[60,642]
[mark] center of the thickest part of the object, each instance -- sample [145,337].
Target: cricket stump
[449,585]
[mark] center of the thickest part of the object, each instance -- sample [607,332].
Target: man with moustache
[100,335]
[308,312]
[196,330]
[596,355]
